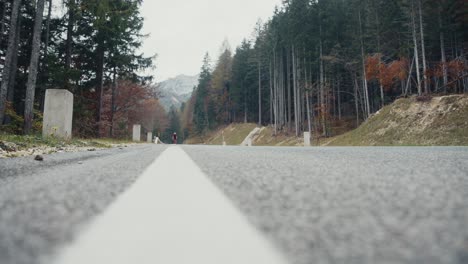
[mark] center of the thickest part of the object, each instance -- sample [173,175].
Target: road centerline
[172,214]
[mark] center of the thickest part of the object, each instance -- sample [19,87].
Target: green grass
[27,142]
[268,138]
[234,134]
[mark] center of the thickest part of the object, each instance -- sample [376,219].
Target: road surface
[264,204]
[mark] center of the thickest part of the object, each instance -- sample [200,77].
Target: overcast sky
[181,31]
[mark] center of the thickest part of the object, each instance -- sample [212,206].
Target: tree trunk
[308,113]
[364,75]
[245,104]
[382,95]
[271,95]
[69,42]
[305,93]
[45,76]
[442,50]
[377,18]
[259,93]
[14,64]
[114,90]
[3,22]
[322,90]
[423,49]
[302,102]
[295,94]
[100,87]
[288,86]
[281,91]
[47,35]
[339,100]
[32,76]
[13,71]
[322,82]
[275,92]
[11,51]
[356,99]
[415,44]
[408,82]
[333,96]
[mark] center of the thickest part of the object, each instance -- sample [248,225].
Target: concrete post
[137,133]
[58,114]
[149,137]
[307,139]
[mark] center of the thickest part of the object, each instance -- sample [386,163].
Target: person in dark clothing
[174,138]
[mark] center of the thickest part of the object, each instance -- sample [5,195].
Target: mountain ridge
[177,90]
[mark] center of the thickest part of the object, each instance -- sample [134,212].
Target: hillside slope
[233,135]
[439,121]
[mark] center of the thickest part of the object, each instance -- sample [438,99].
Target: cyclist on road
[174,138]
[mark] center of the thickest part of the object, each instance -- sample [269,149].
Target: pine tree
[221,84]
[200,116]
[11,51]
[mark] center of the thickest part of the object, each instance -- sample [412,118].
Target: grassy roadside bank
[414,121]
[19,146]
[437,121]
[233,134]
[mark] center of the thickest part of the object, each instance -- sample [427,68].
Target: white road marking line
[172,215]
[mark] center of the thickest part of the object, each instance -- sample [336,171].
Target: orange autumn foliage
[133,104]
[456,68]
[373,67]
[387,74]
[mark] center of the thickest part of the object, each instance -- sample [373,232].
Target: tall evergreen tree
[11,51]
[200,113]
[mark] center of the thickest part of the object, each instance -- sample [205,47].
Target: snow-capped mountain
[177,90]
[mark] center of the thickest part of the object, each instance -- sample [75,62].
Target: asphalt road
[43,204]
[317,205]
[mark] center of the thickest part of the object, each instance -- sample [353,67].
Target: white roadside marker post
[58,114]
[306,139]
[157,141]
[149,137]
[136,133]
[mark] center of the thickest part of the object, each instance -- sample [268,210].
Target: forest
[88,47]
[312,64]
[316,62]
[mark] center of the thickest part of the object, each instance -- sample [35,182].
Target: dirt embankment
[437,121]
